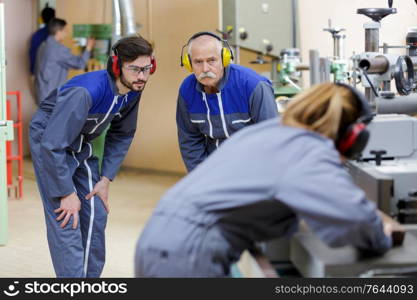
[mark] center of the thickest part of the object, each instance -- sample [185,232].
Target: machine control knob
[378,155]
[407,203]
[376,14]
[412,193]
[407,208]
[243,34]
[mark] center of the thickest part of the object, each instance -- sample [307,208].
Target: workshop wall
[20,23]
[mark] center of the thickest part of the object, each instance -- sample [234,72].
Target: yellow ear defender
[226,52]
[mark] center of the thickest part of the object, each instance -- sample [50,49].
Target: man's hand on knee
[70,206]
[102,190]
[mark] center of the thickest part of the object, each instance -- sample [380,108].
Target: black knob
[243,35]
[378,156]
[412,193]
[376,14]
[401,204]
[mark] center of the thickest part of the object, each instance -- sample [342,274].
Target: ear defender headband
[114,64]
[226,52]
[353,141]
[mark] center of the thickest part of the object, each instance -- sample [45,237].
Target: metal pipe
[294,6]
[369,94]
[117,22]
[385,48]
[398,105]
[325,65]
[314,67]
[372,40]
[149,19]
[339,46]
[372,36]
[236,55]
[302,68]
[274,70]
[376,65]
[128,17]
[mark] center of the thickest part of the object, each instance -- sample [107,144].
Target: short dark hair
[55,25]
[130,48]
[47,14]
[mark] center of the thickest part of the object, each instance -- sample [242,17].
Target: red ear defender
[115,66]
[153,62]
[354,140]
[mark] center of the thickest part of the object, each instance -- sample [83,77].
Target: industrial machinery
[334,68]
[411,42]
[103,35]
[338,63]
[287,82]
[106,34]
[265,26]
[376,70]
[313,258]
[286,76]
[387,170]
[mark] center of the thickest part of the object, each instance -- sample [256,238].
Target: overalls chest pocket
[238,122]
[201,124]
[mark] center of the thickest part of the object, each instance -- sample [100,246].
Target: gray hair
[205,37]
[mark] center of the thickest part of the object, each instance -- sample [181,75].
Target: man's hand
[70,206]
[90,44]
[102,190]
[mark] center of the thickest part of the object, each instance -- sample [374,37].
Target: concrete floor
[133,195]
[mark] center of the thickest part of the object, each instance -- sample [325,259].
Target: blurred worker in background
[73,189]
[218,99]
[261,182]
[54,60]
[40,35]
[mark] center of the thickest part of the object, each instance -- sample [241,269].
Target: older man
[218,99]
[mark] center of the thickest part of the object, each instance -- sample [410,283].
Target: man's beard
[130,85]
